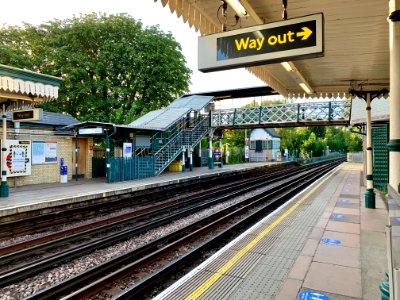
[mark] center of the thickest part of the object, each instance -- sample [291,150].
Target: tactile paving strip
[269,260]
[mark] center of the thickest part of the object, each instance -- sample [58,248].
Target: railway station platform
[39,196]
[323,244]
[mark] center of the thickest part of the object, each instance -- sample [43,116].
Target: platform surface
[324,244]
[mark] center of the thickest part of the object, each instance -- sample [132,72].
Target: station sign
[297,38]
[217,154]
[96,130]
[27,115]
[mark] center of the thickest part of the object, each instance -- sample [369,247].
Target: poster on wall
[18,157]
[127,150]
[44,152]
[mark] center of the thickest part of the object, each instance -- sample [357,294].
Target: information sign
[44,152]
[127,150]
[297,38]
[246,152]
[96,130]
[18,157]
[27,115]
[217,154]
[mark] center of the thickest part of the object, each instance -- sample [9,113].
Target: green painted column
[4,188]
[76,157]
[369,193]
[108,166]
[394,142]
[210,155]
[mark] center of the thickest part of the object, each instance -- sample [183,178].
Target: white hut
[264,144]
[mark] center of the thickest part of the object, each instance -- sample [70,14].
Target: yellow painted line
[228,265]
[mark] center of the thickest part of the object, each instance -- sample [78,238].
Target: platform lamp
[237,7]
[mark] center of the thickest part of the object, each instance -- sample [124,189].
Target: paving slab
[346,239]
[300,267]
[343,227]
[338,255]
[345,281]
[346,210]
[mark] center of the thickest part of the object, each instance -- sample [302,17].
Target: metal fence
[122,169]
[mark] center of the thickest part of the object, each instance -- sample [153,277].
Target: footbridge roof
[162,119]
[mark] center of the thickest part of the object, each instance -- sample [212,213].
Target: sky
[150,13]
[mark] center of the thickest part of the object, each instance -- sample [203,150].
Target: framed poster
[18,157]
[127,150]
[44,152]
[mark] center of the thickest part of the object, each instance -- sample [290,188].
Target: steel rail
[139,288]
[33,268]
[68,214]
[27,245]
[89,275]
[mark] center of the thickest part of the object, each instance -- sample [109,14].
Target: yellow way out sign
[297,38]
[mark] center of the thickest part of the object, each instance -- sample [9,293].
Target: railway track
[91,280]
[80,241]
[39,220]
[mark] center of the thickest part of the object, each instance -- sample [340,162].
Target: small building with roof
[19,91]
[48,145]
[148,145]
[264,144]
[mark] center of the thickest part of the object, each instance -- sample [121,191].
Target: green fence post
[108,167]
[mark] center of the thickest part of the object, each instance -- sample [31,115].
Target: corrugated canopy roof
[195,102]
[22,87]
[160,119]
[380,111]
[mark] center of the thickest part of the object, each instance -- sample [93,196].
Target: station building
[48,145]
[264,144]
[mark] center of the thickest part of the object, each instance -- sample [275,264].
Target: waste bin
[63,174]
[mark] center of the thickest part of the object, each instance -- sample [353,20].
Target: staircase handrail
[177,140]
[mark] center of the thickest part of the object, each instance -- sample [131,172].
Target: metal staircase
[186,137]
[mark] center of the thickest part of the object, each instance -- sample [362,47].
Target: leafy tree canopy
[113,69]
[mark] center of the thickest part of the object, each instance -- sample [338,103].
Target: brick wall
[49,173]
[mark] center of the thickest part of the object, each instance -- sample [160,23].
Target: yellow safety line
[228,265]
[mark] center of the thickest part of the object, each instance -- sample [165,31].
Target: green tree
[335,139]
[235,138]
[293,138]
[353,142]
[113,69]
[313,145]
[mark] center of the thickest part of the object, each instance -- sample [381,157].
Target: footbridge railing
[284,115]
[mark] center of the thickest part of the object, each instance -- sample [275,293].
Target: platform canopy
[21,88]
[355,51]
[162,119]
[159,120]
